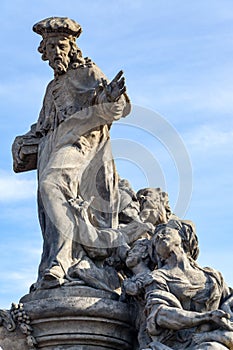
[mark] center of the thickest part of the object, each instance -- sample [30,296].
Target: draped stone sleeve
[25,150]
[156,300]
[111,111]
[223,289]
[157,296]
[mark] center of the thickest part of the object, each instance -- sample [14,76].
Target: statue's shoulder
[90,68]
[49,87]
[214,274]
[84,63]
[89,63]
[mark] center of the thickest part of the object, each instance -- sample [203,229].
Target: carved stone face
[57,52]
[166,241]
[135,254]
[151,208]
[149,199]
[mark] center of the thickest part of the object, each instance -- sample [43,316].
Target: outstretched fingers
[115,88]
[118,76]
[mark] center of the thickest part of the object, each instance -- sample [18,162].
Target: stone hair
[188,236]
[163,198]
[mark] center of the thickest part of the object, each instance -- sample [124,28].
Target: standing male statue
[74,152]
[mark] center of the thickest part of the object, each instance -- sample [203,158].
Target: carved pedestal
[78,318]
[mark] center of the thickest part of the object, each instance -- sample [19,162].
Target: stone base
[78,318]
[12,340]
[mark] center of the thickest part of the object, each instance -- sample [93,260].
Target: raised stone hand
[81,206]
[115,88]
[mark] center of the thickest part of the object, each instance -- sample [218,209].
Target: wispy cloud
[16,281]
[14,89]
[24,275]
[16,284]
[15,189]
[29,250]
[208,138]
[206,93]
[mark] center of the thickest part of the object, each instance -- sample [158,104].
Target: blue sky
[177,56]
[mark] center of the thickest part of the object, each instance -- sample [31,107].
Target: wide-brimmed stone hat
[54,25]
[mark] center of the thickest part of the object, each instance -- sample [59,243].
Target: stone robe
[74,158]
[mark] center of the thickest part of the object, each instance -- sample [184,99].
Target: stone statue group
[96,230]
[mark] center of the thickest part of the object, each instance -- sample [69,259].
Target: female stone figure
[186,306]
[184,302]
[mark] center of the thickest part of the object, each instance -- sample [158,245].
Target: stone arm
[25,147]
[174,318]
[24,151]
[90,236]
[164,310]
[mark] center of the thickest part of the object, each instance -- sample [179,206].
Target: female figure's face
[166,241]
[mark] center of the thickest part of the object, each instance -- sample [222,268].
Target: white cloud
[30,250]
[14,189]
[185,94]
[208,138]
[14,90]
[25,276]
[16,284]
